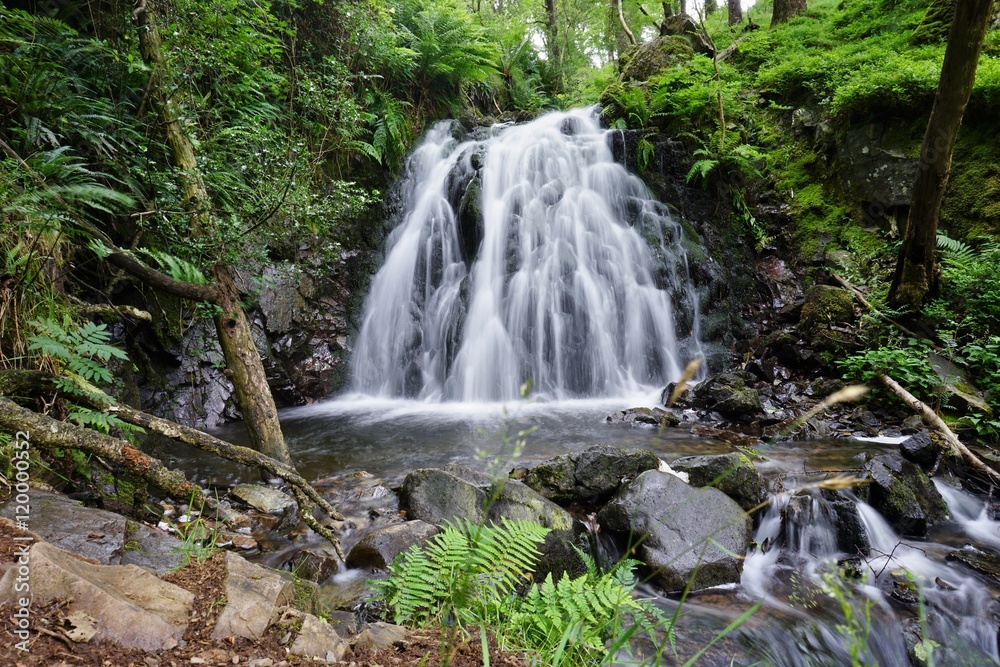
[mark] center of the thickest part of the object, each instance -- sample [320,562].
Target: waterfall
[526,254]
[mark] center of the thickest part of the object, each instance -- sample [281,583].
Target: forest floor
[50,646]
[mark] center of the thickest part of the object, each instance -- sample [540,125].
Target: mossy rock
[903,494]
[825,305]
[733,474]
[641,62]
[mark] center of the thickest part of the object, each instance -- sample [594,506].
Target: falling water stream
[525,254]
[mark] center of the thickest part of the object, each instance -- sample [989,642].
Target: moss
[971,205]
[645,60]
[132,545]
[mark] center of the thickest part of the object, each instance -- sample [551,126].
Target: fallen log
[31,383]
[954,444]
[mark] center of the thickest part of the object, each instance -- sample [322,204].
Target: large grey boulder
[253,596]
[903,494]
[590,476]
[733,474]
[436,496]
[684,534]
[379,548]
[130,606]
[514,501]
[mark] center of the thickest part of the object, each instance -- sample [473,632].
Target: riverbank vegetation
[146,189]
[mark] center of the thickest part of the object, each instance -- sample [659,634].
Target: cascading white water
[528,254]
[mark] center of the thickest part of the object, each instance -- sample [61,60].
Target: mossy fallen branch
[33,383]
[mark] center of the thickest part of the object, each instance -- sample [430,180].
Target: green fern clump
[470,575]
[466,570]
[81,353]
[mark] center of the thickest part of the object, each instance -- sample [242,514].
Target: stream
[524,257]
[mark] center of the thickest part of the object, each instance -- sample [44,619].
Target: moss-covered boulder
[590,476]
[641,62]
[825,306]
[903,494]
[729,395]
[733,474]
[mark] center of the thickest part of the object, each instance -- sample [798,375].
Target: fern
[81,353]
[463,570]
[955,251]
[179,269]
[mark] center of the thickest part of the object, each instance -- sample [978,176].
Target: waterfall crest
[526,254]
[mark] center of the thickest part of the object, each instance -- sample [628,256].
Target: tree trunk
[552,49]
[916,275]
[735,12]
[786,9]
[621,19]
[246,370]
[182,151]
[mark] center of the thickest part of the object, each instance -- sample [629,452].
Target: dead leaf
[82,627]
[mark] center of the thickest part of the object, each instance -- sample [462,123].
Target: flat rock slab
[263,498]
[67,524]
[380,636]
[130,605]
[152,548]
[318,640]
[253,595]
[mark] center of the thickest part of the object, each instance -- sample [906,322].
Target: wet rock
[919,449]
[479,478]
[263,498]
[733,474]
[980,561]
[344,622]
[824,306]
[655,417]
[728,394]
[850,530]
[683,531]
[590,476]
[253,596]
[379,548]
[515,501]
[955,380]
[903,494]
[436,496]
[131,606]
[319,641]
[315,564]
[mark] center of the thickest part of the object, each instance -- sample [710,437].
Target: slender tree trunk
[735,12]
[553,51]
[244,365]
[246,371]
[916,275]
[195,194]
[786,9]
[621,19]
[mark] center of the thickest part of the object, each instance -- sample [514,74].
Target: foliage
[81,353]
[904,359]
[472,575]
[466,570]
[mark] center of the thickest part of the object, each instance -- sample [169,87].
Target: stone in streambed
[590,476]
[263,498]
[436,496]
[682,532]
[379,548]
[903,494]
[733,474]
[919,449]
